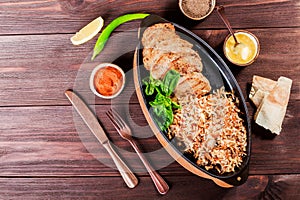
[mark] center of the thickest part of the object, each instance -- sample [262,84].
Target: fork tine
[113,121]
[118,118]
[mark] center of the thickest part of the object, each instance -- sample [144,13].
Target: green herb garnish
[162,106]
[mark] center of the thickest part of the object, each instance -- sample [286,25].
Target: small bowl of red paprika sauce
[107,80]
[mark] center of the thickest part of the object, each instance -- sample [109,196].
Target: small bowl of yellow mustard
[243,53]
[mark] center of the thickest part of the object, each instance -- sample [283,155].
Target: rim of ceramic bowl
[212,7]
[95,70]
[257,52]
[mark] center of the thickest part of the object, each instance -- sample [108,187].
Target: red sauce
[108,81]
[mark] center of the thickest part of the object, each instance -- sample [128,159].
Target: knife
[92,122]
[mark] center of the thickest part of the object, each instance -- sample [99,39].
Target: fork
[125,132]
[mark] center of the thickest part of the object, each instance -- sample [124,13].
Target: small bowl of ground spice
[197,9]
[107,80]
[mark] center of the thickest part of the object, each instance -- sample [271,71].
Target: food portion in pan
[210,128]
[205,122]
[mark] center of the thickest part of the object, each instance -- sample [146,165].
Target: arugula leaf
[162,106]
[151,85]
[170,82]
[163,116]
[175,105]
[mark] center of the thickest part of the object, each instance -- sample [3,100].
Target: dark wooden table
[43,154]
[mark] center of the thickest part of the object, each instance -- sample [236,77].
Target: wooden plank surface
[51,16]
[257,187]
[37,69]
[46,151]
[53,141]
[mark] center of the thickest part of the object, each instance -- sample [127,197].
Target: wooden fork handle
[128,176]
[160,184]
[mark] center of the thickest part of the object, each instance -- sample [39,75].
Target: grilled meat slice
[156,33]
[192,83]
[165,50]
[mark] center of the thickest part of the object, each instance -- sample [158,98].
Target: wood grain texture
[257,187]
[62,16]
[43,141]
[46,151]
[53,141]
[37,69]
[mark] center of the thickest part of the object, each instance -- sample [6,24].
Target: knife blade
[93,124]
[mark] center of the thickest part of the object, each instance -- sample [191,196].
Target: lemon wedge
[88,32]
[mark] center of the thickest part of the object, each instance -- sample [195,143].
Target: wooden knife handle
[128,176]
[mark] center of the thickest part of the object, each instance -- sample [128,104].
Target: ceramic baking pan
[219,75]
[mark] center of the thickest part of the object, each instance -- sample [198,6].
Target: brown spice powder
[196,8]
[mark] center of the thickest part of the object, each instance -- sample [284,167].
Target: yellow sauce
[244,52]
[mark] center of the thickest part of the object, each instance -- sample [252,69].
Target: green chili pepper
[102,39]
